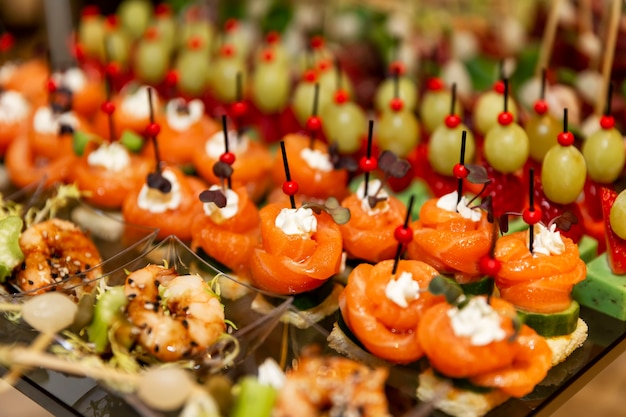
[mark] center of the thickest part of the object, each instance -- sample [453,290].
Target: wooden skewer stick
[609,47]
[548,37]
[41,342]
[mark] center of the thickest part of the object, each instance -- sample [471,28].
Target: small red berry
[51,86]
[171,78]
[227,50]
[498,87]
[368,164]
[310,76]
[397,67]
[230,25]
[112,21]
[112,69]
[460,171]
[324,64]
[541,107]
[341,96]
[194,43]
[153,129]
[489,266]
[228,158]
[290,187]
[107,107]
[403,234]
[452,121]
[6,42]
[396,104]
[314,124]
[268,55]
[239,108]
[162,9]
[607,122]
[434,84]
[90,10]
[317,42]
[565,138]
[151,34]
[79,51]
[272,37]
[532,216]
[505,118]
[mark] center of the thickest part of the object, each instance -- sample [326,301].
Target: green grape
[346,125]
[407,92]
[506,147]
[223,78]
[192,67]
[617,216]
[135,16]
[398,132]
[91,36]
[563,174]
[542,131]
[118,47]
[270,86]
[151,61]
[200,29]
[604,155]
[487,109]
[303,100]
[444,148]
[434,108]
[328,82]
[166,28]
[279,54]
[240,40]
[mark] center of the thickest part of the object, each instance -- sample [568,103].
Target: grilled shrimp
[175,315]
[333,386]
[57,252]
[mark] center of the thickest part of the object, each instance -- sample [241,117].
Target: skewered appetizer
[14,117]
[87,91]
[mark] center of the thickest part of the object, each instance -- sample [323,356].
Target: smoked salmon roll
[451,240]
[14,116]
[299,250]
[29,78]
[87,89]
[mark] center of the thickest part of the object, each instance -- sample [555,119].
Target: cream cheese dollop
[300,221]
[316,159]
[478,321]
[155,201]
[73,79]
[403,290]
[448,202]
[214,146]
[13,107]
[271,374]
[180,121]
[373,185]
[112,156]
[6,71]
[547,241]
[136,104]
[219,215]
[48,122]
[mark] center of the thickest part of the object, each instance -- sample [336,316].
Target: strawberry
[616,246]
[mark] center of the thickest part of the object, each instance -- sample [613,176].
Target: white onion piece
[529,92]
[513,36]
[464,45]
[589,44]
[454,71]
[588,84]
[165,389]
[50,312]
[590,125]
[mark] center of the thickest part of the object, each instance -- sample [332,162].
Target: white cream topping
[448,202]
[47,122]
[181,121]
[6,71]
[271,374]
[136,104]
[74,79]
[316,159]
[300,221]
[372,186]
[547,241]
[112,156]
[478,321]
[214,146]
[403,290]
[13,107]
[155,201]
[219,215]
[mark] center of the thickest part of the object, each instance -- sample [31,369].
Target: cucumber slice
[254,399]
[79,142]
[131,140]
[11,254]
[108,306]
[553,324]
[483,286]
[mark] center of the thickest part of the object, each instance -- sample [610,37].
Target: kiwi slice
[553,324]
